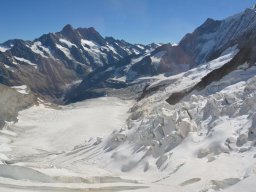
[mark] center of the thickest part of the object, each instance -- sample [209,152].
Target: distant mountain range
[75,64]
[50,64]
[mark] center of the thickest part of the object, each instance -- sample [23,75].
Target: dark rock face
[92,35]
[143,68]
[174,55]
[194,43]
[164,59]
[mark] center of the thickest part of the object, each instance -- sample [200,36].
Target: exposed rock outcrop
[11,102]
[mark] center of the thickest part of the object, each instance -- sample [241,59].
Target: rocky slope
[11,102]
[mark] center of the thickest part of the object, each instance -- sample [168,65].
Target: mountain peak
[70,33]
[92,29]
[91,34]
[209,20]
[67,28]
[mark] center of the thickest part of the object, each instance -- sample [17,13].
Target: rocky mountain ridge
[55,61]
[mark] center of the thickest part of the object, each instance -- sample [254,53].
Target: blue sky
[136,21]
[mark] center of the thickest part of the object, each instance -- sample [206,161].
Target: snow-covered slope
[30,147]
[205,141]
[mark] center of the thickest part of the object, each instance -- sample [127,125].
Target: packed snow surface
[37,48]
[25,61]
[55,128]
[43,132]
[21,89]
[65,51]
[3,49]
[68,43]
